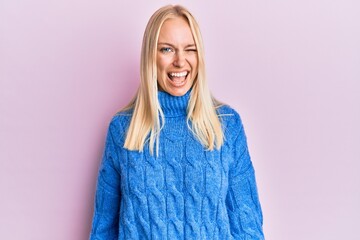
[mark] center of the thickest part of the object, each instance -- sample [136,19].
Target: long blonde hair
[201,110]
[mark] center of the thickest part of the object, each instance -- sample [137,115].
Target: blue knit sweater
[184,193]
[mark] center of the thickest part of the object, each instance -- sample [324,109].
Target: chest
[182,166]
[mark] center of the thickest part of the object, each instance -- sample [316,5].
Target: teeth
[182,74]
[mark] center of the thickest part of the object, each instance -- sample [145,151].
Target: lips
[178,79]
[177,75]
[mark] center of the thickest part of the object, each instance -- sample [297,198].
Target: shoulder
[119,124]
[228,115]
[121,119]
[230,120]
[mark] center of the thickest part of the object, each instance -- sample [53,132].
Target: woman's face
[176,57]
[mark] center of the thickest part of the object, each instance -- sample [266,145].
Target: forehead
[176,31]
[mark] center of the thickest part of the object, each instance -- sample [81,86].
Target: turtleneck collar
[174,106]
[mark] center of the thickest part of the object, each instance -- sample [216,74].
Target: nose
[179,59]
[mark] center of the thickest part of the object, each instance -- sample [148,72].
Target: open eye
[166,50]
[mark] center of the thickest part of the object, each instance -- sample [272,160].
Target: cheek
[162,63]
[194,68]
[161,72]
[193,62]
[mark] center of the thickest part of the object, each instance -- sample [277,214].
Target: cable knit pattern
[184,193]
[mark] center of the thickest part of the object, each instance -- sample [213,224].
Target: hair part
[145,124]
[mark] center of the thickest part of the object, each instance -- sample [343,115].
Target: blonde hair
[201,110]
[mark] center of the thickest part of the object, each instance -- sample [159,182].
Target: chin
[178,92]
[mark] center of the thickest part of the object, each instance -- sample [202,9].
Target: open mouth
[175,76]
[178,79]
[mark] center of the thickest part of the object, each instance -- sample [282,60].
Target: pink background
[291,68]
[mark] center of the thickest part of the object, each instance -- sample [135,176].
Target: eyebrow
[169,44]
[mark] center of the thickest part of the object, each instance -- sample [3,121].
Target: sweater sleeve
[242,200]
[107,198]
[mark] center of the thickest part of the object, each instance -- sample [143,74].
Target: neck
[173,106]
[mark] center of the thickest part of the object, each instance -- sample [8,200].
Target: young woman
[176,163]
